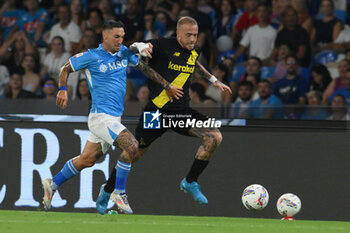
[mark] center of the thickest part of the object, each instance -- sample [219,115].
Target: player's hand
[174,92]
[222,86]
[147,51]
[62,99]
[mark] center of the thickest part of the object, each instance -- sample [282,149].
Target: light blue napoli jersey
[106,76]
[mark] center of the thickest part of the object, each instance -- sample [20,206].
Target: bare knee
[213,139]
[131,151]
[218,137]
[140,153]
[86,160]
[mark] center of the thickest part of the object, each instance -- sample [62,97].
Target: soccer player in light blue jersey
[105,70]
[176,59]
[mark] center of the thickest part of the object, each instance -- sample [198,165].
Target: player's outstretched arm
[144,49]
[172,91]
[62,96]
[205,74]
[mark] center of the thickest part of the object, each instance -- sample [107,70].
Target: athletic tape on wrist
[140,46]
[213,79]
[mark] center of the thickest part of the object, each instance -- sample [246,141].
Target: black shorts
[145,137]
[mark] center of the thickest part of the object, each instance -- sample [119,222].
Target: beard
[291,72]
[245,99]
[264,97]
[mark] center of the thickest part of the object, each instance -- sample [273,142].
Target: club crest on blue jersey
[103,68]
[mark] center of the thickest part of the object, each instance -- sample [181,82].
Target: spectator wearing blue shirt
[314,109]
[253,66]
[292,88]
[240,106]
[345,90]
[9,15]
[34,22]
[267,105]
[339,111]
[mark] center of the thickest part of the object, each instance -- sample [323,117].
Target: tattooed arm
[202,71]
[62,95]
[206,75]
[172,91]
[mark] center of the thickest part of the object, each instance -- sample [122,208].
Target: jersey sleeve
[20,23]
[43,16]
[133,59]
[81,60]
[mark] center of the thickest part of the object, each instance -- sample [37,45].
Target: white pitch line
[169,224]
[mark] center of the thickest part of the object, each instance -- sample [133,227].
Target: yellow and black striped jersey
[176,65]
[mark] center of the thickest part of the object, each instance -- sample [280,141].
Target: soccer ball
[255,197]
[288,205]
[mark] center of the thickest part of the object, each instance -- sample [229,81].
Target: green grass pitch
[39,221]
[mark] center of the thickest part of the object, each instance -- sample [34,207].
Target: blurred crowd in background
[272,53]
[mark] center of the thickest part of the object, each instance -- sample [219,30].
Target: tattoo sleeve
[128,144]
[202,71]
[151,74]
[134,49]
[209,142]
[66,69]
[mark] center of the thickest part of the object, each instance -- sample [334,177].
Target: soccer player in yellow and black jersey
[176,59]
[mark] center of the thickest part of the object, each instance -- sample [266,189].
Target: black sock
[110,185]
[197,168]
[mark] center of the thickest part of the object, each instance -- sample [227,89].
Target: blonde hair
[314,94]
[186,20]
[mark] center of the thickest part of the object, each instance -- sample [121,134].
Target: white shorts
[104,129]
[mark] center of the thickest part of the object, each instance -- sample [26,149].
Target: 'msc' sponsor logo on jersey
[113,65]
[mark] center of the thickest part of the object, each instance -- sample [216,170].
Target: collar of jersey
[119,54]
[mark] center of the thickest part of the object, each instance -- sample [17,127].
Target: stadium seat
[159,28]
[237,73]
[267,72]
[325,57]
[225,54]
[229,53]
[340,14]
[212,15]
